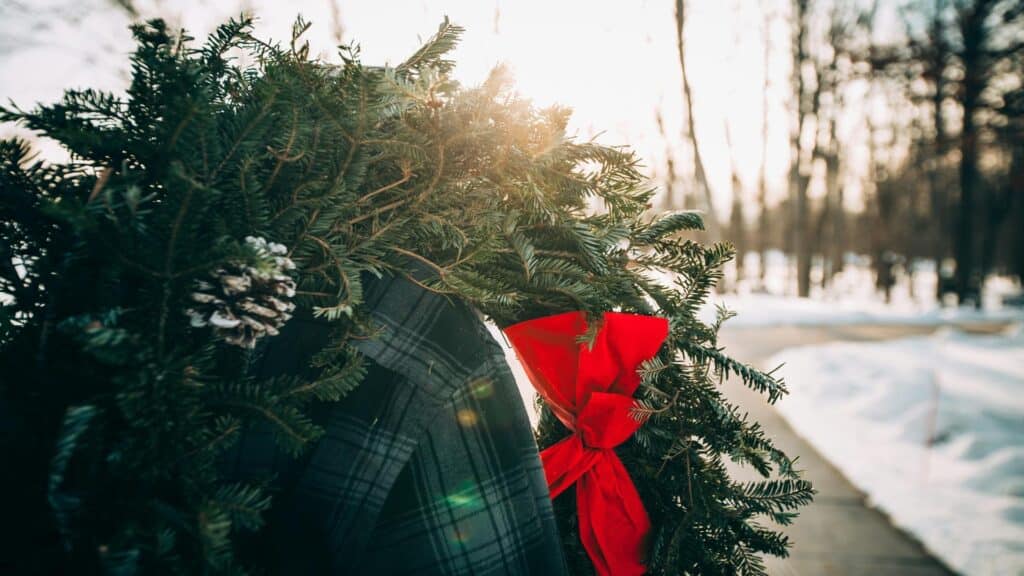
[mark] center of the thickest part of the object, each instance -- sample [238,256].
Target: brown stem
[377,211]
[282,156]
[440,271]
[405,178]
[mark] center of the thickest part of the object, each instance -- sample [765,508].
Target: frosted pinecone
[243,303]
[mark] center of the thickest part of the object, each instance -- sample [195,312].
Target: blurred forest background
[844,146]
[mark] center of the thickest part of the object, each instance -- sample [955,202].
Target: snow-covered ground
[852,298]
[931,428]
[765,310]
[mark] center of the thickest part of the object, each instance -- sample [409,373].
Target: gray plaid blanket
[429,467]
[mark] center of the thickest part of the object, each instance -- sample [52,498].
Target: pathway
[840,533]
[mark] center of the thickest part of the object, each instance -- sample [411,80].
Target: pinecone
[243,303]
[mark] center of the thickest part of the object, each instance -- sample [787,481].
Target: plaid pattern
[429,467]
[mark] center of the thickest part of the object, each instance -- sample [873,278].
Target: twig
[282,156]
[377,211]
[440,270]
[407,175]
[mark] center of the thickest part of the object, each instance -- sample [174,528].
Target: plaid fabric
[429,467]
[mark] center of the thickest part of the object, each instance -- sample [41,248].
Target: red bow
[591,392]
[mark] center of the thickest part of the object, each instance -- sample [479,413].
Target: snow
[852,298]
[765,310]
[931,429]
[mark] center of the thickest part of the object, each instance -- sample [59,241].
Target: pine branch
[432,52]
[753,378]
[668,224]
[76,422]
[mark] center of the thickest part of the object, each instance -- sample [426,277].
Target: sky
[614,63]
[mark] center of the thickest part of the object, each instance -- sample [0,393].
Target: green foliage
[119,408]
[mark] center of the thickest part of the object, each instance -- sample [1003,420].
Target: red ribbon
[591,392]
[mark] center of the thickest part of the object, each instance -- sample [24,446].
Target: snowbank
[763,310]
[932,429]
[851,297]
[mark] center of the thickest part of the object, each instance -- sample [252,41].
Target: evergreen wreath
[238,179]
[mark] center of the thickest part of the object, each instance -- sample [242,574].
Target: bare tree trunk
[1017,202]
[997,203]
[939,197]
[832,215]
[798,190]
[837,220]
[973,35]
[878,239]
[711,220]
[670,202]
[839,229]
[737,226]
[762,186]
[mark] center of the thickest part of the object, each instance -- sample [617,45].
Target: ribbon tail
[565,461]
[613,522]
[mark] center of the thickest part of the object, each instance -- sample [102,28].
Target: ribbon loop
[590,389]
